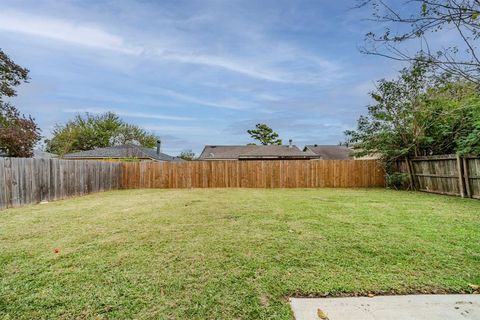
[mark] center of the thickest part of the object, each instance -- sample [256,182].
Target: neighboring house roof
[330,152]
[122,151]
[253,152]
[39,154]
[374,156]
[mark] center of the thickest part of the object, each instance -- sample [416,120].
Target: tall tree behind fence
[446,174]
[24,181]
[253,174]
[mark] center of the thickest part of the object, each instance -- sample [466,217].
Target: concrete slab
[410,307]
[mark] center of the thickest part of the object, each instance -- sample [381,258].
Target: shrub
[398,181]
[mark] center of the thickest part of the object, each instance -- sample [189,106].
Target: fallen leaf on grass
[474,286]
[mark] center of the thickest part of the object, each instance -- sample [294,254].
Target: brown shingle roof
[253,152]
[330,152]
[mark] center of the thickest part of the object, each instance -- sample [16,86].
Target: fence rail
[253,174]
[24,181]
[445,174]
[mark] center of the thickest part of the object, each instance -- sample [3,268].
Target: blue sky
[196,72]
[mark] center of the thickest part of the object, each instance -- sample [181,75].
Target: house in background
[122,152]
[329,152]
[37,154]
[255,152]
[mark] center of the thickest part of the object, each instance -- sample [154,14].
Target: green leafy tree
[18,133]
[419,113]
[11,76]
[451,115]
[187,155]
[470,144]
[88,131]
[391,127]
[265,135]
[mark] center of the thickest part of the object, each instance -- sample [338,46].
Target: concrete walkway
[411,307]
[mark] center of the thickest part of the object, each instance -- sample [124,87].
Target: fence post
[466,177]
[410,173]
[461,184]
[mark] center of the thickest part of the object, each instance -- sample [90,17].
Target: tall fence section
[24,181]
[446,174]
[253,174]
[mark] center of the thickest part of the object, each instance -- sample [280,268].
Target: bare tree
[420,20]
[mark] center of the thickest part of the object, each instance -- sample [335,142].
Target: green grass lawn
[229,254]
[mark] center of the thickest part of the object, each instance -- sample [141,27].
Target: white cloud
[283,65]
[128,114]
[194,131]
[267,60]
[230,64]
[226,104]
[62,30]
[153,96]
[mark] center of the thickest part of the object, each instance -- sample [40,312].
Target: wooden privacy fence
[24,181]
[446,174]
[253,174]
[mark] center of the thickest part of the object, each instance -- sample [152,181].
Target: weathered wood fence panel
[253,174]
[445,174]
[437,174]
[472,176]
[24,181]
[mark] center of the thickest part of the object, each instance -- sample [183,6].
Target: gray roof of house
[253,152]
[330,152]
[39,154]
[122,151]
